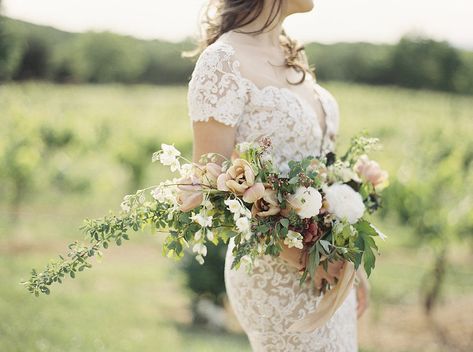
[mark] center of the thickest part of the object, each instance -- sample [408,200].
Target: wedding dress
[267,301]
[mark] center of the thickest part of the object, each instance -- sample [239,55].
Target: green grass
[136,300]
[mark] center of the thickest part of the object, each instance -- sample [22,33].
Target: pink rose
[370,171]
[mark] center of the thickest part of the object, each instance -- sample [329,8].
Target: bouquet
[318,205]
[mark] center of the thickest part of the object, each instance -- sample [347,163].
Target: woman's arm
[212,137]
[362,291]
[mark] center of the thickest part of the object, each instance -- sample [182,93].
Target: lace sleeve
[216,89]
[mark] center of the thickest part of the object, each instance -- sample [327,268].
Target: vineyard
[69,152]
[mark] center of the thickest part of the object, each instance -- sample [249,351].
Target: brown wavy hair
[221,16]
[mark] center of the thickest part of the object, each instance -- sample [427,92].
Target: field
[68,152]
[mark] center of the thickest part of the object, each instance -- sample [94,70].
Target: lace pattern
[218,90]
[269,300]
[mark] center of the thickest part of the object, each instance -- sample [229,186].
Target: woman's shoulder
[219,51]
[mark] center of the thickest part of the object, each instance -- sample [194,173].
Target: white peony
[344,202]
[294,239]
[307,202]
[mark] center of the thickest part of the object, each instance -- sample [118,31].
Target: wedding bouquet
[318,205]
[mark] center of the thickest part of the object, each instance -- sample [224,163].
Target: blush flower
[189,195]
[267,205]
[344,202]
[209,174]
[370,171]
[240,179]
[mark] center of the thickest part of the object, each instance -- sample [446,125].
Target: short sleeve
[216,88]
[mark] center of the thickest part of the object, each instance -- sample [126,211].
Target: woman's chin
[300,6]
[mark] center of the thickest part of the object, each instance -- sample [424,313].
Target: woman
[251,81]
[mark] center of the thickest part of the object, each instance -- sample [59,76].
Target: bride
[252,81]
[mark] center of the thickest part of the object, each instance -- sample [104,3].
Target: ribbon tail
[329,303]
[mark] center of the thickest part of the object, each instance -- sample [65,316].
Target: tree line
[29,51]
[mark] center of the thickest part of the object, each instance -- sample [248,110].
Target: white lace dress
[269,300]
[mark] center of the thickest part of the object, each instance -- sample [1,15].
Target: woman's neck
[270,36]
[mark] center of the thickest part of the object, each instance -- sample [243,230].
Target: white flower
[198,235]
[163,193]
[175,166]
[202,219]
[210,235]
[307,202]
[168,156]
[200,248]
[294,239]
[244,147]
[207,204]
[243,224]
[342,172]
[186,170]
[200,259]
[125,205]
[170,150]
[141,196]
[344,202]
[236,208]
[233,205]
[261,248]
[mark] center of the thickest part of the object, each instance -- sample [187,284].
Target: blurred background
[89,90]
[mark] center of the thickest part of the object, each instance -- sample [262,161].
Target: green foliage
[207,279]
[437,64]
[99,233]
[105,57]
[37,52]
[436,203]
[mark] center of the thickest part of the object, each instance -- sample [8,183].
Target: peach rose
[240,179]
[370,171]
[209,174]
[267,205]
[190,194]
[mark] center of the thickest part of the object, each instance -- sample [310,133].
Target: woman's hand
[362,293]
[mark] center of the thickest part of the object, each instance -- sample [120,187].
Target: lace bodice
[217,89]
[269,300]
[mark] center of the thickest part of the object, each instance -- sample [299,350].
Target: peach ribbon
[329,303]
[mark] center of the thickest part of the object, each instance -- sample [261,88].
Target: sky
[378,21]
